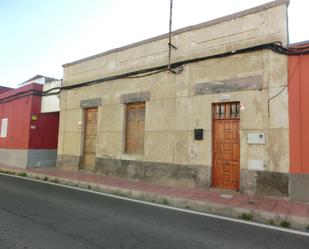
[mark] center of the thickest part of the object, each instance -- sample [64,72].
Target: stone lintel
[88,103]
[230,85]
[134,97]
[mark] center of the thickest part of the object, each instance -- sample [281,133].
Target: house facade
[298,71]
[213,120]
[28,137]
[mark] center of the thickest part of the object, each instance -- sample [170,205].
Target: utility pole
[170,45]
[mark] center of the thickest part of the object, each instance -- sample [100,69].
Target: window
[226,110]
[135,128]
[4,127]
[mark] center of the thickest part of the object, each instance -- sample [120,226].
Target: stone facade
[176,104]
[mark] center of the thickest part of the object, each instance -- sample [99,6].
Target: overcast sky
[38,36]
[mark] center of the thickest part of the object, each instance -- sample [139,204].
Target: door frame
[213,142]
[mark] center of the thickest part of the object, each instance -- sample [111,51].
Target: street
[36,215]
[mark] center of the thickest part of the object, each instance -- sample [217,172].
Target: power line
[275,47]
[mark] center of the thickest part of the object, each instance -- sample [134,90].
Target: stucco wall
[51,103]
[32,137]
[175,108]
[18,111]
[252,27]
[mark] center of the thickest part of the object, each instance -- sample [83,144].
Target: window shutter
[135,128]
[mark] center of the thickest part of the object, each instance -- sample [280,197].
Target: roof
[38,76]
[5,89]
[22,89]
[186,29]
[299,44]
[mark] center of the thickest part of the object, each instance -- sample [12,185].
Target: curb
[247,214]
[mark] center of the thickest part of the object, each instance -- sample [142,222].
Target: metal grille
[226,110]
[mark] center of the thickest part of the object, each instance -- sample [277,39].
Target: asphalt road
[35,215]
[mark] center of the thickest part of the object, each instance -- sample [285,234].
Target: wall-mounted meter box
[198,134]
[256,138]
[254,164]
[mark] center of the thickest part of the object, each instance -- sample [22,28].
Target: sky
[39,36]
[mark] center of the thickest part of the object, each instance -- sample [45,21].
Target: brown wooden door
[135,128]
[90,137]
[226,165]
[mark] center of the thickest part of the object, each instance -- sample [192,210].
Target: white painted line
[168,207]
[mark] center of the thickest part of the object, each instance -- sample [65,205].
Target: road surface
[36,215]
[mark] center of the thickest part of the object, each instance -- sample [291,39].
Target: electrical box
[256,138]
[198,134]
[256,164]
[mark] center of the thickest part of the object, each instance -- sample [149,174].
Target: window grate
[226,110]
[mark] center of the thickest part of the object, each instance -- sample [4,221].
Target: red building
[298,71]
[28,138]
[4,89]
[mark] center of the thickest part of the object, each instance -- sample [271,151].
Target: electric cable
[274,46]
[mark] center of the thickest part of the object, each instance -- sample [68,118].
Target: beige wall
[174,110]
[259,27]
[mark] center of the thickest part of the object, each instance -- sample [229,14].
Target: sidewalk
[273,211]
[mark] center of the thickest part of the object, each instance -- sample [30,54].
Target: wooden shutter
[135,128]
[91,116]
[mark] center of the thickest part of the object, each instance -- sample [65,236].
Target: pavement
[266,210]
[35,215]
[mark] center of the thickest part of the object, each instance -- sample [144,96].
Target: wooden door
[226,155]
[90,137]
[135,128]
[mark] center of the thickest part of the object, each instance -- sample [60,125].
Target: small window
[135,128]
[226,110]
[4,127]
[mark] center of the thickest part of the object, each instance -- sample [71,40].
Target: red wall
[5,89]
[299,113]
[17,112]
[44,131]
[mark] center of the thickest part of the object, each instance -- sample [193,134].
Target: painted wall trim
[28,158]
[14,157]
[42,158]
